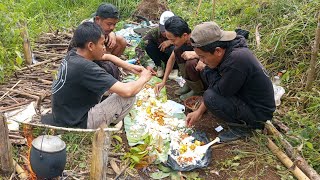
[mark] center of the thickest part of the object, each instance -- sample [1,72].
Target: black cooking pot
[48,156]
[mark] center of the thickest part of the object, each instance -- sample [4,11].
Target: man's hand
[136,69]
[200,66]
[189,55]
[152,70]
[164,45]
[192,118]
[158,88]
[146,74]
[112,40]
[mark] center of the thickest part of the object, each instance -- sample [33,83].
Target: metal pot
[48,156]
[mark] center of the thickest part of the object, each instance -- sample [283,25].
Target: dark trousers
[110,68]
[157,56]
[231,109]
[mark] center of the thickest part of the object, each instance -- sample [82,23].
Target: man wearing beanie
[239,89]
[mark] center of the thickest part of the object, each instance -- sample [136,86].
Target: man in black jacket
[239,89]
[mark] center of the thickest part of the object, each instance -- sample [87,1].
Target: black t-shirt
[79,86]
[241,74]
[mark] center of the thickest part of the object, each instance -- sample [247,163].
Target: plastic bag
[278,93]
[204,162]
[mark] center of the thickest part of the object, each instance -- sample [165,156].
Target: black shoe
[234,133]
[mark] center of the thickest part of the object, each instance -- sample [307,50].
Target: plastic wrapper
[204,162]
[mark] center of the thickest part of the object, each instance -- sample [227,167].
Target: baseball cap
[209,32]
[163,18]
[106,10]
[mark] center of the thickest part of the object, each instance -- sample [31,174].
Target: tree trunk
[313,61]
[6,161]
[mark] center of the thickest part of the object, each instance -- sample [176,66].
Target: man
[158,47]
[178,31]
[239,89]
[107,16]
[77,92]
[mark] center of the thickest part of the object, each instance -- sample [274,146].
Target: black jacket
[240,74]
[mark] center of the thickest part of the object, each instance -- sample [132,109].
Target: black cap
[106,10]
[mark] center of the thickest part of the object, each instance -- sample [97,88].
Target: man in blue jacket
[239,89]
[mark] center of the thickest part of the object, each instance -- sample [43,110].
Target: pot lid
[49,143]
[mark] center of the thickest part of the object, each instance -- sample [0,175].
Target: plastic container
[132,61]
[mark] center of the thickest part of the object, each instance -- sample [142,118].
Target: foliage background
[287,35]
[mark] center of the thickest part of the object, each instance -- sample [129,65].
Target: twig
[258,35]
[122,170]
[55,45]
[10,89]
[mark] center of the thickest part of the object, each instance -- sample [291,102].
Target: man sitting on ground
[107,16]
[178,31]
[239,89]
[77,91]
[158,47]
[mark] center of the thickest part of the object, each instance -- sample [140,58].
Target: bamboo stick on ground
[286,161]
[21,173]
[299,161]
[9,91]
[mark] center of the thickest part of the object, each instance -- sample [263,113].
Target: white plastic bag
[278,93]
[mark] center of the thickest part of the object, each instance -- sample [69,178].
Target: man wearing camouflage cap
[239,89]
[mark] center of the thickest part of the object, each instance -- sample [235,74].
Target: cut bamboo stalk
[286,161]
[26,44]
[99,156]
[6,163]
[299,161]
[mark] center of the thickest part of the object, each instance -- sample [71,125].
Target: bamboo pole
[299,161]
[26,44]
[67,129]
[313,61]
[6,163]
[99,156]
[286,161]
